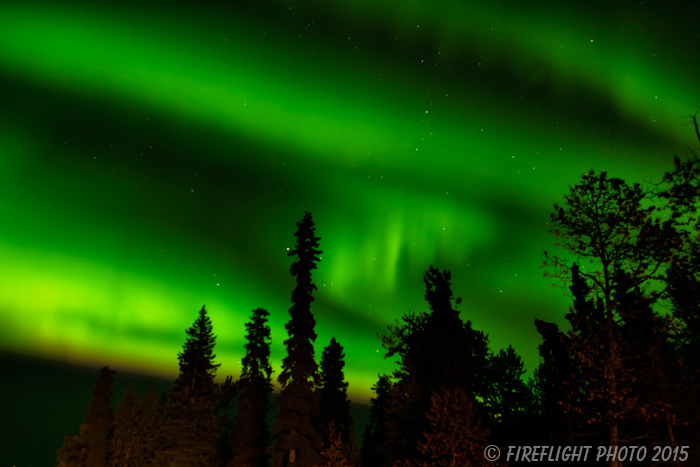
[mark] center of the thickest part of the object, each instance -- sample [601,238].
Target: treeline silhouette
[624,375]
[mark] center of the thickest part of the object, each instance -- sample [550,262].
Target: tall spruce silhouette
[446,357]
[438,352]
[192,432]
[250,434]
[197,367]
[296,431]
[335,405]
[93,447]
[99,421]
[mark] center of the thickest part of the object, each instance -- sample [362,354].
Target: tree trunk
[671,437]
[615,363]
[613,445]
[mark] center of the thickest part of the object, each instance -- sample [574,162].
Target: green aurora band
[155,159]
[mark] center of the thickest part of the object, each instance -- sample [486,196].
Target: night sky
[156,158]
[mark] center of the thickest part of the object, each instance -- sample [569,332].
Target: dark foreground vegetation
[624,375]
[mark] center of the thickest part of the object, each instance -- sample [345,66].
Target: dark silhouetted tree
[124,437]
[73,452]
[445,357]
[605,222]
[510,400]
[650,353]
[197,367]
[333,452]
[335,405]
[438,351]
[375,431]
[135,439]
[99,421]
[296,429]
[683,286]
[193,429]
[93,446]
[250,434]
[456,436]
[554,372]
[404,408]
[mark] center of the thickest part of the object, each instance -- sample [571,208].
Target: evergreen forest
[626,374]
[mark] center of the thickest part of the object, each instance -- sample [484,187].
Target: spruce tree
[296,431]
[73,452]
[335,405]
[655,364]
[456,437]
[124,437]
[193,428]
[333,452]
[197,367]
[438,351]
[250,434]
[682,280]
[553,373]
[584,397]
[444,356]
[135,440]
[405,406]
[510,398]
[375,431]
[99,421]
[684,292]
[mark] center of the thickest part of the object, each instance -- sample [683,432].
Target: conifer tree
[684,292]
[124,437]
[554,372]
[510,398]
[456,436]
[654,361]
[93,446]
[250,434]
[375,431]
[585,396]
[99,421]
[405,406]
[683,286]
[193,428]
[135,440]
[197,367]
[335,405]
[73,452]
[445,357]
[438,351]
[333,453]
[296,432]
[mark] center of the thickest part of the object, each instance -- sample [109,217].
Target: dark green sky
[154,159]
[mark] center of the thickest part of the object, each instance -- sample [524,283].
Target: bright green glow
[114,243]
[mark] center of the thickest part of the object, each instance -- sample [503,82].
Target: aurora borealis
[156,158]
